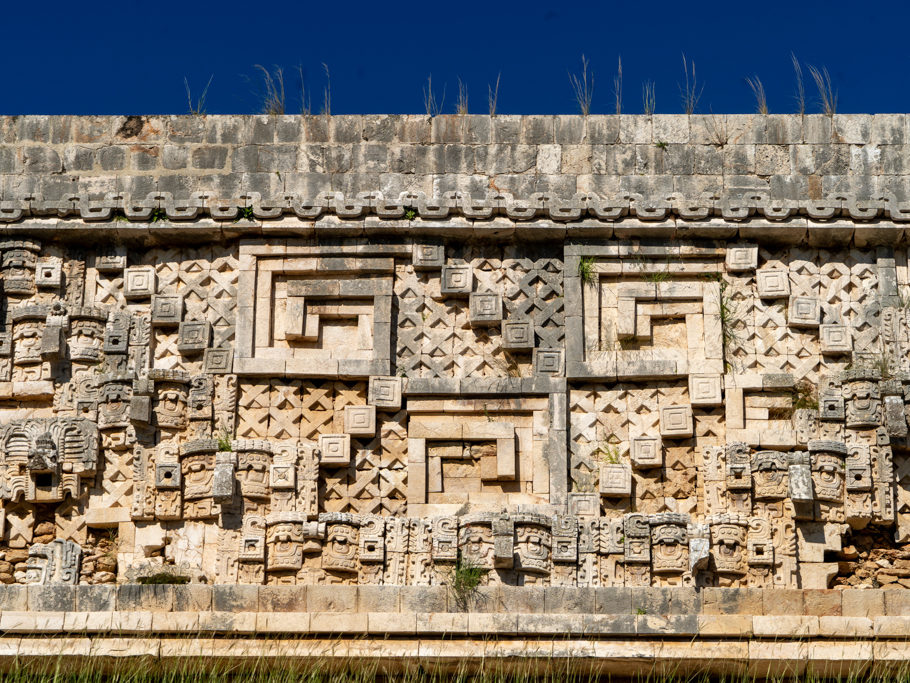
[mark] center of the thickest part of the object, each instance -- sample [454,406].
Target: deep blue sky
[131,57]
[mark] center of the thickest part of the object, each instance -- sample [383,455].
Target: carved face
[43,456]
[476,544]
[170,409]
[284,545]
[769,476]
[340,553]
[864,404]
[253,474]
[27,341]
[19,271]
[669,550]
[113,411]
[828,477]
[532,548]
[729,548]
[86,340]
[37,568]
[198,471]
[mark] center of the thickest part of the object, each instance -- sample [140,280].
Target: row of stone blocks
[341,599]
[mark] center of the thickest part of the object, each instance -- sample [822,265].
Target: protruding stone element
[334,450]
[705,390]
[428,256]
[646,452]
[48,273]
[803,311]
[615,480]
[518,335]
[800,475]
[584,504]
[773,284]
[485,309]
[139,282]
[385,392]
[360,420]
[699,546]
[548,362]
[194,336]
[676,422]
[57,562]
[167,311]
[831,408]
[217,361]
[457,280]
[111,261]
[835,340]
[742,258]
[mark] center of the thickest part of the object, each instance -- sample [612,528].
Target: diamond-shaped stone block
[773,284]
[518,335]
[835,339]
[804,311]
[385,392]
[831,408]
[584,504]
[646,452]
[139,282]
[457,280]
[705,390]
[360,420]
[334,449]
[485,309]
[676,422]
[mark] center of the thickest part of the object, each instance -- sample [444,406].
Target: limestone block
[676,422]
[217,361]
[835,340]
[360,420]
[385,392]
[485,309]
[803,311]
[139,282]
[48,273]
[548,361]
[705,390]
[831,408]
[741,258]
[584,504]
[167,476]
[773,284]
[615,480]
[646,452]
[334,450]
[194,336]
[428,256]
[817,575]
[518,335]
[167,311]
[457,280]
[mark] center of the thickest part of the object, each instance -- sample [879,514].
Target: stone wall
[579,352]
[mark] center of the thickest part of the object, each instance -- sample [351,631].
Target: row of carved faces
[530,544]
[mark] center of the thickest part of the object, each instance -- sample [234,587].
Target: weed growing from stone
[805,395]
[463,579]
[158,215]
[586,269]
[245,213]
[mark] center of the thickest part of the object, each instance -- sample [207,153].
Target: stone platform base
[607,630]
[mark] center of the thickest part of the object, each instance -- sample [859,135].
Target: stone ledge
[620,656]
[861,606]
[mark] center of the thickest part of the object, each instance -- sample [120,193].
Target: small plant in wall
[805,395]
[158,215]
[245,213]
[608,450]
[586,269]
[410,213]
[463,579]
[224,441]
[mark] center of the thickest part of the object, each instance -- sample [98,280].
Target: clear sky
[131,57]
